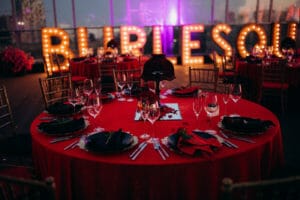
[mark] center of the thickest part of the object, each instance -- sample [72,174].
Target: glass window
[219,12]
[5,8]
[195,12]
[48,9]
[94,13]
[285,10]
[64,13]
[242,12]
[263,11]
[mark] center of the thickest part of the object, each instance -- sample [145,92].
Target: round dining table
[81,174]
[251,74]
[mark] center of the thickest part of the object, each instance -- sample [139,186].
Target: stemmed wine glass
[98,86]
[153,115]
[74,97]
[225,98]
[88,87]
[197,106]
[235,91]
[211,105]
[121,82]
[130,85]
[94,106]
[143,108]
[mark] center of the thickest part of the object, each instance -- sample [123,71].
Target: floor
[26,101]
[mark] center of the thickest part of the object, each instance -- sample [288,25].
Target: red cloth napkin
[195,143]
[185,90]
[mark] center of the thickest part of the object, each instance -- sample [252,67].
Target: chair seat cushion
[78,78]
[275,85]
[227,74]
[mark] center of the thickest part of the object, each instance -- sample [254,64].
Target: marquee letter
[132,46]
[217,38]
[259,30]
[62,48]
[188,45]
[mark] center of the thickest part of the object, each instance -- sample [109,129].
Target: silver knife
[242,139]
[72,145]
[139,151]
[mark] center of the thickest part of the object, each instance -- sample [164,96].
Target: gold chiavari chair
[205,78]
[55,89]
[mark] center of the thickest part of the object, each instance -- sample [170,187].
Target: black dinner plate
[110,141]
[63,126]
[60,108]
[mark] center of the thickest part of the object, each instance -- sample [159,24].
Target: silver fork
[157,148]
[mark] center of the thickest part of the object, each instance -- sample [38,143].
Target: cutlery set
[138,150]
[162,152]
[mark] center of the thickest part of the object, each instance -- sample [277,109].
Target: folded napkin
[62,126]
[60,108]
[108,141]
[194,143]
[246,125]
[185,91]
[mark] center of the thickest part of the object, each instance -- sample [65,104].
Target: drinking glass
[197,106]
[130,85]
[74,97]
[235,92]
[98,85]
[211,106]
[225,97]
[88,87]
[143,108]
[121,82]
[153,115]
[94,106]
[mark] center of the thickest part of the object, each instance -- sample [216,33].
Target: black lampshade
[158,67]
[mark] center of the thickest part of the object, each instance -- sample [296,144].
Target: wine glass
[153,115]
[197,106]
[143,108]
[74,97]
[87,87]
[98,85]
[225,98]
[121,82]
[235,92]
[162,85]
[211,106]
[130,85]
[94,106]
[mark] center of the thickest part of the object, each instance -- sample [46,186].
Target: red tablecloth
[83,175]
[89,68]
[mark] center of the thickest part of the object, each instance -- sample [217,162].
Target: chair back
[6,116]
[206,78]
[228,64]
[55,89]
[283,188]
[130,75]
[107,76]
[274,71]
[12,188]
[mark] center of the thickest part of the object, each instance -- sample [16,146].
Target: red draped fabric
[89,68]
[251,74]
[85,175]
